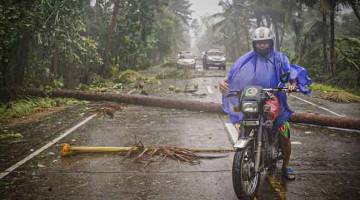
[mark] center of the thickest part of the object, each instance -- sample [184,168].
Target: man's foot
[288,173]
[237,127]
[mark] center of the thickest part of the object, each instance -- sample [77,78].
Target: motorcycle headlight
[249,107]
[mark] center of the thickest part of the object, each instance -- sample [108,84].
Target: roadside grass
[26,106]
[10,135]
[336,94]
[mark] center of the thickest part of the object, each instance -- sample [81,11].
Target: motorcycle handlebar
[283,89]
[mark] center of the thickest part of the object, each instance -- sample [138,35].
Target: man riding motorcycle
[263,66]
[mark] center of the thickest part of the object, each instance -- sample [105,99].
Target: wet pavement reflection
[327,161]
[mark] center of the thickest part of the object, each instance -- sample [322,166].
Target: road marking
[344,129]
[321,107]
[295,142]
[37,152]
[329,127]
[327,171]
[209,89]
[277,186]
[232,132]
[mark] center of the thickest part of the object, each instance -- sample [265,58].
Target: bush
[129,76]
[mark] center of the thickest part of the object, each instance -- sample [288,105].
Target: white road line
[37,152]
[299,171]
[232,132]
[330,111]
[329,127]
[209,89]
[295,142]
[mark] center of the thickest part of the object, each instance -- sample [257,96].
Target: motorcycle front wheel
[245,180]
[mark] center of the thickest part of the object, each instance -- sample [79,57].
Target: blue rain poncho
[253,69]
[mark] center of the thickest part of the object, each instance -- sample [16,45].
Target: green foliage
[336,94]
[26,106]
[58,84]
[324,88]
[64,35]
[97,84]
[129,76]
[348,51]
[69,37]
[5,135]
[348,64]
[55,32]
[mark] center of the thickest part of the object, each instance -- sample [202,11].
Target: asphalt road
[327,161]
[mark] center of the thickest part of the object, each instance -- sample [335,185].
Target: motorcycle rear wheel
[245,180]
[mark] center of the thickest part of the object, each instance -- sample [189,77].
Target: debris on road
[200,95]
[277,186]
[7,136]
[191,89]
[171,87]
[41,166]
[340,97]
[131,91]
[107,109]
[129,76]
[150,154]
[177,90]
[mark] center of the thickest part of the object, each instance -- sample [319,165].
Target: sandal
[288,173]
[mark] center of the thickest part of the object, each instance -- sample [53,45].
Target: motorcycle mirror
[284,78]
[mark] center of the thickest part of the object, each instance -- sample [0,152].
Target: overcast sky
[204,7]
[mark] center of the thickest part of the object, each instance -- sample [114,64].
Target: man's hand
[223,86]
[292,87]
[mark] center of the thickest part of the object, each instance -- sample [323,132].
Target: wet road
[327,161]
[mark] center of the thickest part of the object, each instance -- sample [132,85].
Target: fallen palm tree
[317,119]
[150,154]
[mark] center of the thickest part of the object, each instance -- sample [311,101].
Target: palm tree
[233,24]
[331,6]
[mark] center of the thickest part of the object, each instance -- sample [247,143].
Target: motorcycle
[258,146]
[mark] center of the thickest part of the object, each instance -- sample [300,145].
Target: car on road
[214,57]
[185,59]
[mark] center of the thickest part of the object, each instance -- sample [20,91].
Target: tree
[110,30]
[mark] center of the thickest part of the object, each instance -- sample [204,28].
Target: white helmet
[262,33]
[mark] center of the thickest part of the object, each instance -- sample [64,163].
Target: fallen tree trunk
[326,120]
[131,99]
[308,118]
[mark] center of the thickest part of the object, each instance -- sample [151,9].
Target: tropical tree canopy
[48,40]
[315,34]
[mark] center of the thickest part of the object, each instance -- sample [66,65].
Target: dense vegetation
[322,35]
[67,43]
